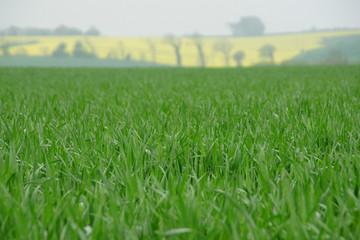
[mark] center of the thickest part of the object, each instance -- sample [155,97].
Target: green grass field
[256,153]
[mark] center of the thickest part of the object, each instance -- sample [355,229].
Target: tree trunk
[178,56]
[201,56]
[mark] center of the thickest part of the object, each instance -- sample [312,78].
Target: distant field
[341,48]
[255,153]
[39,61]
[287,46]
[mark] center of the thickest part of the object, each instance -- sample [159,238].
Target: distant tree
[36,32]
[198,42]
[248,26]
[63,30]
[175,42]
[89,44]
[14,31]
[122,50]
[60,30]
[60,51]
[117,52]
[4,46]
[152,47]
[267,52]
[92,31]
[142,56]
[224,47]
[239,57]
[80,51]
[128,57]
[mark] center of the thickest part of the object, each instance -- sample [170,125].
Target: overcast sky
[160,17]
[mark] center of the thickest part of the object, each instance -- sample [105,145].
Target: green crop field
[256,153]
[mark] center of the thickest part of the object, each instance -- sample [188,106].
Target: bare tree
[4,46]
[89,44]
[175,42]
[152,47]
[224,47]
[122,50]
[198,42]
[117,52]
[239,57]
[267,52]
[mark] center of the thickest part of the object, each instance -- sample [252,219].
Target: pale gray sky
[159,17]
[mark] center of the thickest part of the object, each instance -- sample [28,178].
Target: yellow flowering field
[287,46]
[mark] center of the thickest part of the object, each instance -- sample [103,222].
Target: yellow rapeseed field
[287,46]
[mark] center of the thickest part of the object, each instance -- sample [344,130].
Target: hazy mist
[159,17]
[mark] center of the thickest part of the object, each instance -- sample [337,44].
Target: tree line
[61,30]
[82,49]
[85,49]
[246,26]
[221,46]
